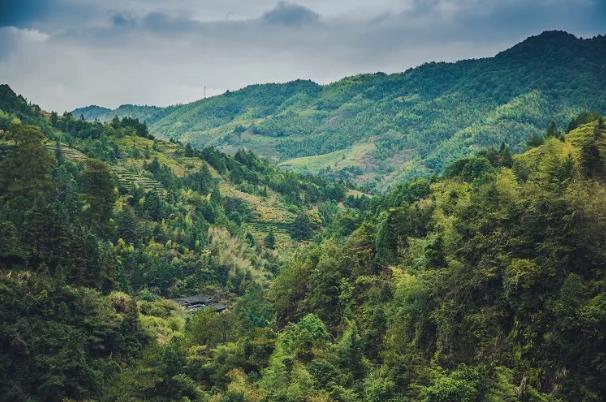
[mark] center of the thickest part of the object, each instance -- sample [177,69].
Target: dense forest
[380,129]
[101,225]
[484,283]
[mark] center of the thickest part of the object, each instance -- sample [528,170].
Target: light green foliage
[521,275]
[479,278]
[298,340]
[462,385]
[253,308]
[207,327]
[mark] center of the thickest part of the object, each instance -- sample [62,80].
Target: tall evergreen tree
[552,131]
[153,206]
[25,169]
[98,192]
[270,240]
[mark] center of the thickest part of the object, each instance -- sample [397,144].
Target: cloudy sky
[66,53]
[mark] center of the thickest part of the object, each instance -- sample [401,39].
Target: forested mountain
[103,114]
[486,283]
[100,222]
[377,129]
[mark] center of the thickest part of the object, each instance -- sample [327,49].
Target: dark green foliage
[189,151]
[20,179]
[253,309]
[301,228]
[126,226]
[592,150]
[97,113]
[201,181]
[132,123]
[535,140]
[405,193]
[552,131]
[207,327]
[153,206]
[98,193]
[16,104]
[582,118]
[469,169]
[270,240]
[58,341]
[498,158]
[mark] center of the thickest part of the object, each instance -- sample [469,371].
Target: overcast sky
[62,54]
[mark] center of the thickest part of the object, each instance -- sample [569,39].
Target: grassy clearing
[358,155]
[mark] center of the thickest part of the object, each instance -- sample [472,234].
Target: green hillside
[100,224]
[484,284]
[378,129]
[103,114]
[487,284]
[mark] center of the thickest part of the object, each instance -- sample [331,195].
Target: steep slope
[485,284]
[166,192]
[100,224]
[377,128]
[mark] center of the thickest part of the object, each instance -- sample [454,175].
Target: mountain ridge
[409,124]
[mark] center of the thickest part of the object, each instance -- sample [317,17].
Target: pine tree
[552,131]
[270,240]
[126,225]
[592,151]
[153,206]
[534,141]
[98,192]
[301,228]
[250,239]
[21,180]
[436,257]
[59,153]
[505,155]
[189,151]
[130,327]
[54,118]
[349,350]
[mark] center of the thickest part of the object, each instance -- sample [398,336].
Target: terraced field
[270,213]
[127,176]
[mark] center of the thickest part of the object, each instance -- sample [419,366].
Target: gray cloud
[290,14]
[157,52]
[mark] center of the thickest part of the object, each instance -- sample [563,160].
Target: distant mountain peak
[547,44]
[95,107]
[552,38]
[6,89]
[551,35]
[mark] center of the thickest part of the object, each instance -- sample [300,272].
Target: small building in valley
[197,302]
